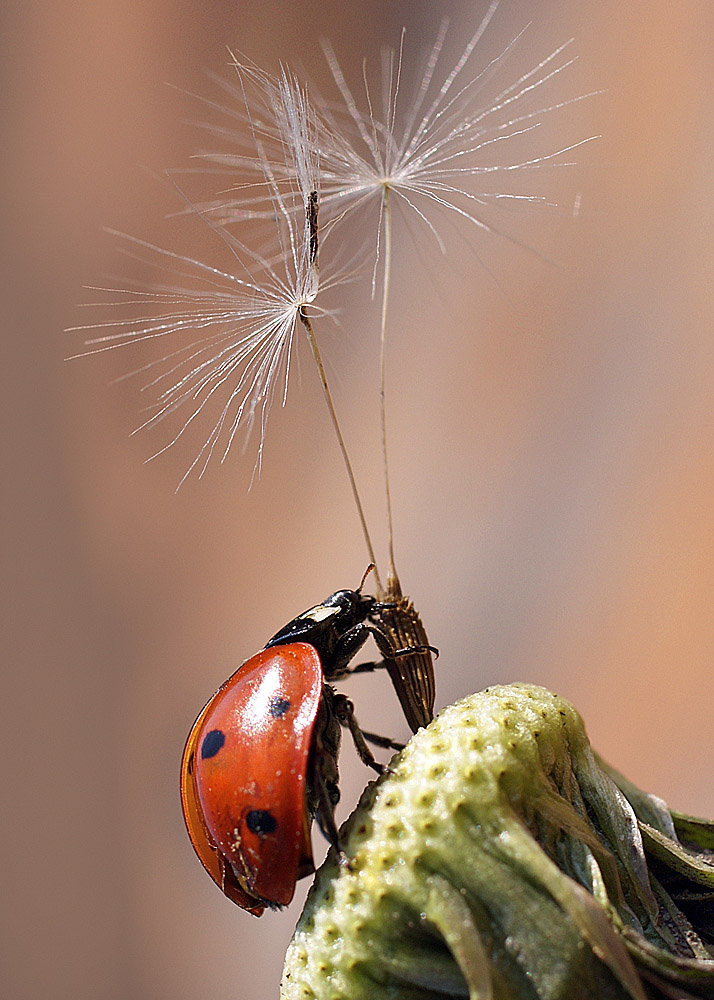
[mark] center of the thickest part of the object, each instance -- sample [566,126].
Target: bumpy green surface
[500,860]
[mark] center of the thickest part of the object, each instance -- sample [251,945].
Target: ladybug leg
[371,665]
[323,792]
[382,741]
[413,649]
[345,712]
[347,647]
[352,641]
[328,795]
[327,798]
[368,667]
[387,649]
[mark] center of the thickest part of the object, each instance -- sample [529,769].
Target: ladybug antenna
[366,573]
[311,215]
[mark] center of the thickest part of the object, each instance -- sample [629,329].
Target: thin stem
[335,423]
[392,573]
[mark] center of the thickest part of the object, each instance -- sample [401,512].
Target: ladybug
[260,761]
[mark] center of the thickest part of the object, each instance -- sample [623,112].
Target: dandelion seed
[439,149]
[427,150]
[439,146]
[247,328]
[241,321]
[430,150]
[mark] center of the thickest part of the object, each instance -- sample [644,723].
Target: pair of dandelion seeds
[300,170]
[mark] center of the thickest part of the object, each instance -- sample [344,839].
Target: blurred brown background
[553,464]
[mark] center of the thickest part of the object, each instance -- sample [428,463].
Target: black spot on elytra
[261,821]
[278,706]
[212,743]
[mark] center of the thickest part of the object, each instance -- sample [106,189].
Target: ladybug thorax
[324,625]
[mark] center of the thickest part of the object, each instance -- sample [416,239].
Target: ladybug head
[353,606]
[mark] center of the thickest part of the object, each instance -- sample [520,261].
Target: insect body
[413,673]
[261,758]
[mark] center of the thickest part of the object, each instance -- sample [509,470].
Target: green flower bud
[500,859]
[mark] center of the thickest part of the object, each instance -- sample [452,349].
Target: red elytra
[244,774]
